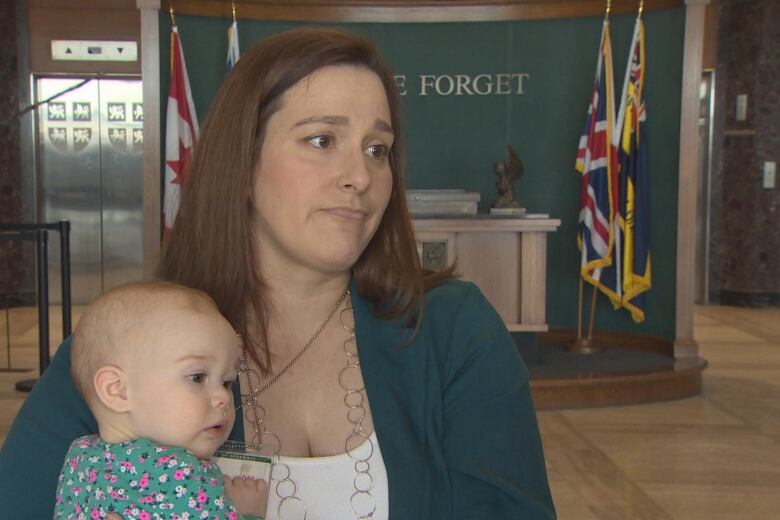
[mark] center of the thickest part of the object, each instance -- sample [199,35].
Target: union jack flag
[181,132]
[597,232]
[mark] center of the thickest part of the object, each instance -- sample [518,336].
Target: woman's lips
[356,215]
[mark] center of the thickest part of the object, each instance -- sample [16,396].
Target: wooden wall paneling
[533,278]
[491,261]
[47,24]
[409,10]
[684,344]
[82,4]
[507,258]
[711,24]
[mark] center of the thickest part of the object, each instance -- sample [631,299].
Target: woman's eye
[197,378]
[377,151]
[321,141]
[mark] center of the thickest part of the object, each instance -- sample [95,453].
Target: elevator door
[88,169]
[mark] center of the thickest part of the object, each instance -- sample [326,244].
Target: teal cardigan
[452,412]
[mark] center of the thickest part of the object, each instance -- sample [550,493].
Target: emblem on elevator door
[138,139]
[56,111]
[116,112]
[82,111]
[58,137]
[118,138]
[138,112]
[81,138]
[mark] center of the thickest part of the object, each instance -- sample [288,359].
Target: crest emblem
[116,112]
[118,138]
[82,111]
[138,112]
[138,139]
[81,138]
[55,111]
[58,137]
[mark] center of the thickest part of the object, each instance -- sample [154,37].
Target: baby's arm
[249,496]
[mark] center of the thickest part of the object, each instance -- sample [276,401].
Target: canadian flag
[181,132]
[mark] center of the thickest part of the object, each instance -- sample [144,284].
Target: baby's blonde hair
[109,328]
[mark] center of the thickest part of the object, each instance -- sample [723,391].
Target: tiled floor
[712,457]
[716,456]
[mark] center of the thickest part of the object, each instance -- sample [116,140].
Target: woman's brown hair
[211,244]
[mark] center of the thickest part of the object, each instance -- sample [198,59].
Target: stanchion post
[43,298]
[64,226]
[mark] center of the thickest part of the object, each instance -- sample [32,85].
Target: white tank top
[326,485]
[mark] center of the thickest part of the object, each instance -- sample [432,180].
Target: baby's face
[179,386]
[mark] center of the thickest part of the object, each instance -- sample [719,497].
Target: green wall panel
[452,140]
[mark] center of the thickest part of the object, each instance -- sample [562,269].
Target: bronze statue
[507,172]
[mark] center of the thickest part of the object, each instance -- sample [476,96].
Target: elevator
[88,171]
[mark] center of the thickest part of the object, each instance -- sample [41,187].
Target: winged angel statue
[507,172]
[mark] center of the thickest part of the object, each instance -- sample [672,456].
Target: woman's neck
[303,297]
[298,305]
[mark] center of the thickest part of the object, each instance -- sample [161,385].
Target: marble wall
[745,235]
[16,269]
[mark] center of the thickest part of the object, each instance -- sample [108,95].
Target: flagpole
[587,345]
[592,319]
[579,311]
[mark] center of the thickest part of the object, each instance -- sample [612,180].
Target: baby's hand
[250,496]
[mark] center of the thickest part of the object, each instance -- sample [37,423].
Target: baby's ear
[111,388]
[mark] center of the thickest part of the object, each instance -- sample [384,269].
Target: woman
[382,391]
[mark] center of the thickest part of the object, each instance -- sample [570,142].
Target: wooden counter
[505,257]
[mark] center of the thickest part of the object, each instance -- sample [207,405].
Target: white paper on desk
[234,460]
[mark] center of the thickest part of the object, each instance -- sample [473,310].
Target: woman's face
[323,180]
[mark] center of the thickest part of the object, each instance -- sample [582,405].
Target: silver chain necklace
[361,502]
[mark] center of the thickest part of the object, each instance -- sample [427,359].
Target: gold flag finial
[173,18]
[641,7]
[609,8]
[233,7]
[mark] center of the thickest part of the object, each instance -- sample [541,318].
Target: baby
[155,363]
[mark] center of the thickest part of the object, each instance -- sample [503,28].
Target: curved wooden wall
[410,10]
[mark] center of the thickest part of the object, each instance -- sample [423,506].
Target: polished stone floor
[711,457]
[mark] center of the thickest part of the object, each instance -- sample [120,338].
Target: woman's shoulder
[447,307]
[464,331]
[451,296]
[458,309]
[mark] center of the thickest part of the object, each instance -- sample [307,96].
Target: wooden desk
[505,257]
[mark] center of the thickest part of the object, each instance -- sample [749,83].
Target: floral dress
[139,479]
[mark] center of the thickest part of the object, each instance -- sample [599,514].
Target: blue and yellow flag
[634,185]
